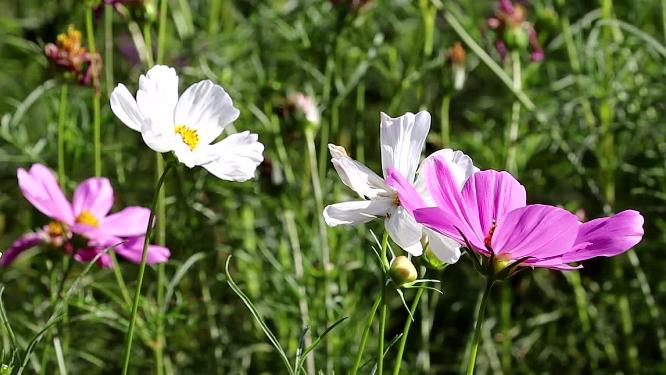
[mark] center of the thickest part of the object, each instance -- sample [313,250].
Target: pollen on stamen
[55,229]
[189,136]
[487,241]
[86,217]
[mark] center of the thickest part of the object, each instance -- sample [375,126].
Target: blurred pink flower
[87,216]
[69,54]
[491,217]
[513,31]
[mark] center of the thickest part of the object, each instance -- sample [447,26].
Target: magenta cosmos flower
[87,216]
[490,215]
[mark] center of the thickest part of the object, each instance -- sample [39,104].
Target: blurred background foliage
[589,135]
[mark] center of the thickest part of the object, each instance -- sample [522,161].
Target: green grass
[593,139]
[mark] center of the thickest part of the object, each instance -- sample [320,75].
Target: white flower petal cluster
[188,125]
[402,140]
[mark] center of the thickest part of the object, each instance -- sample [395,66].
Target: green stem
[323,229]
[158,350]
[383,308]
[505,324]
[119,279]
[148,42]
[142,269]
[408,325]
[62,117]
[366,333]
[161,31]
[474,346]
[446,125]
[90,31]
[514,128]
[108,48]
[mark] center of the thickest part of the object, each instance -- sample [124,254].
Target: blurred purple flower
[86,216]
[69,54]
[513,31]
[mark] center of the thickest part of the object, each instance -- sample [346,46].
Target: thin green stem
[323,229]
[90,31]
[108,48]
[119,279]
[514,128]
[161,31]
[408,325]
[446,125]
[148,42]
[366,333]
[142,269]
[383,307]
[158,350]
[480,313]
[62,118]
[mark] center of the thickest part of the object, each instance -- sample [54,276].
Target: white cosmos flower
[189,124]
[402,140]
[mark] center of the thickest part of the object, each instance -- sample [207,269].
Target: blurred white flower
[402,140]
[189,124]
[306,105]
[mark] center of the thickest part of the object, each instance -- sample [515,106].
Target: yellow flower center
[87,218]
[70,41]
[55,229]
[189,136]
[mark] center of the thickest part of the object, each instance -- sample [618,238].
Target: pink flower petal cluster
[87,216]
[490,215]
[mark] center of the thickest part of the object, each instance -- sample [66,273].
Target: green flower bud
[431,260]
[402,270]
[516,38]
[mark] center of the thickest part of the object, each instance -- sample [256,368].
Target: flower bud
[431,260]
[516,38]
[402,270]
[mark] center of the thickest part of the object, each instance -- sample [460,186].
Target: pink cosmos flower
[490,215]
[87,216]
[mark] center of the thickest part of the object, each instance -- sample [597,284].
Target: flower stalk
[480,313]
[62,118]
[383,307]
[142,269]
[366,332]
[90,31]
[408,325]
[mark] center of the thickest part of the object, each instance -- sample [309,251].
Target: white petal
[207,108]
[125,108]
[157,98]
[405,231]
[402,140]
[460,165]
[365,182]
[238,156]
[356,212]
[444,248]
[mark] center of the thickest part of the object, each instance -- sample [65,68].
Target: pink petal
[94,195]
[40,188]
[538,231]
[488,196]
[89,253]
[130,222]
[24,243]
[453,217]
[608,236]
[410,199]
[132,250]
